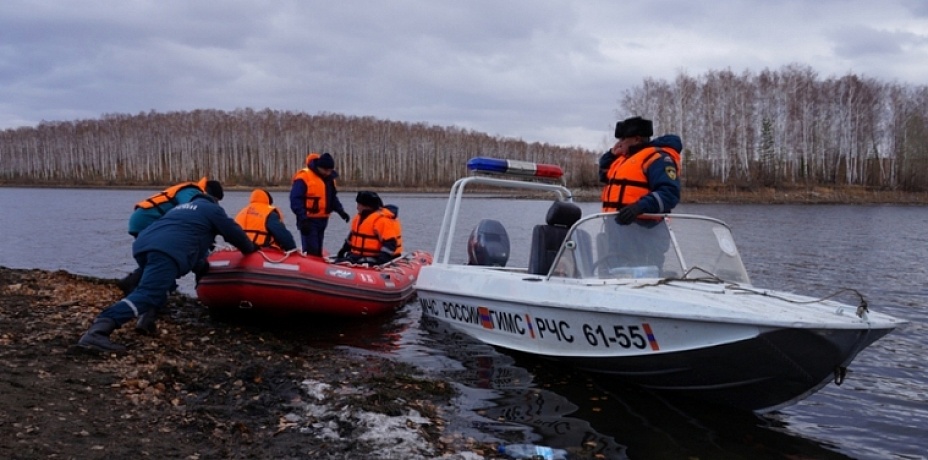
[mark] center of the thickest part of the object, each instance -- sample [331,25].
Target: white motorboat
[664,303]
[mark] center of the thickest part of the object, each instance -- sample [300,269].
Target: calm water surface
[880,412]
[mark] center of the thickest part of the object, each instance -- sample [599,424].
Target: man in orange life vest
[169,248]
[264,223]
[152,208]
[641,176]
[155,206]
[313,197]
[397,229]
[374,237]
[147,212]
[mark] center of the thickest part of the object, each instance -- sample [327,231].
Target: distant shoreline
[691,195]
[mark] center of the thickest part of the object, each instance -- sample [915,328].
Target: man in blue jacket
[642,176]
[151,209]
[169,248]
[313,197]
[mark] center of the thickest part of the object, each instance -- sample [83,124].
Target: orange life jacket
[627,179]
[168,195]
[393,229]
[368,234]
[315,192]
[253,219]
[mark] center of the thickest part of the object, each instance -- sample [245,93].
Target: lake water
[880,412]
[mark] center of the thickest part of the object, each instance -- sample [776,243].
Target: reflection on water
[593,419]
[380,334]
[880,412]
[509,404]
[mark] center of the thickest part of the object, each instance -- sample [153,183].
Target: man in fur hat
[642,176]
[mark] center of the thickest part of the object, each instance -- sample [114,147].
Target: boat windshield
[675,246]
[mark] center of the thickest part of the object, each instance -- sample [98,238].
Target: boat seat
[488,244]
[547,239]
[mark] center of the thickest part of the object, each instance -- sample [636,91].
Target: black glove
[303,225]
[382,258]
[200,269]
[344,215]
[628,214]
[605,162]
[252,247]
[342,252]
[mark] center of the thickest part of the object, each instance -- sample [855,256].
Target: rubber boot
[98,336]
[146,325]
[129,282]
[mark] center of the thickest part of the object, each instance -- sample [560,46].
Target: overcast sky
[538,70]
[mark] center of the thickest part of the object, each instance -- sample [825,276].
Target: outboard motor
[488,244]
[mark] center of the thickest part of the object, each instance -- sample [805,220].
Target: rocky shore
[200,389]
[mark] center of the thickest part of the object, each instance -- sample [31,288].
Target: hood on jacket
[260,195]
[669,140]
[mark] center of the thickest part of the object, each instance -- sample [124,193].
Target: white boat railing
[452,209]
[676,246]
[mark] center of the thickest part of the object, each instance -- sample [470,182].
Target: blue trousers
[312,239]
[159,273]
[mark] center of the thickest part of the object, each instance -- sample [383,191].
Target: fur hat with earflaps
[634,126]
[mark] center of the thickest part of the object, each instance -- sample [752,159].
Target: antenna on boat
[524,170]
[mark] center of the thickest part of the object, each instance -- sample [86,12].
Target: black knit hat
[369,199]
[634,126]
[214,189]
[325,161]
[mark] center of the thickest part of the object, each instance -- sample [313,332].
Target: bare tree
[777,127]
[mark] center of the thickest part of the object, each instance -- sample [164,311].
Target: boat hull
[765,373]
[276,282]
[654,335]
[663,302]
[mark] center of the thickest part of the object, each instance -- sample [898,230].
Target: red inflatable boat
[274,281]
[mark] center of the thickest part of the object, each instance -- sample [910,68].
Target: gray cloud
[547,71]
[854,42]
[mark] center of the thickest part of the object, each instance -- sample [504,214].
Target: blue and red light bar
[515,167]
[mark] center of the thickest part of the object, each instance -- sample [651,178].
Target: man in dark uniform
[169,248]
[152,208]
[375,236]
[313,197]
[642,176]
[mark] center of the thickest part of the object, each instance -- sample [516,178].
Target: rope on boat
[862,308]
[228,248]
[393,266]
[712,278]
[286,254]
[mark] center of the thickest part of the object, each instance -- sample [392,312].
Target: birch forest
[258,148]
[790,127]
[776,128]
